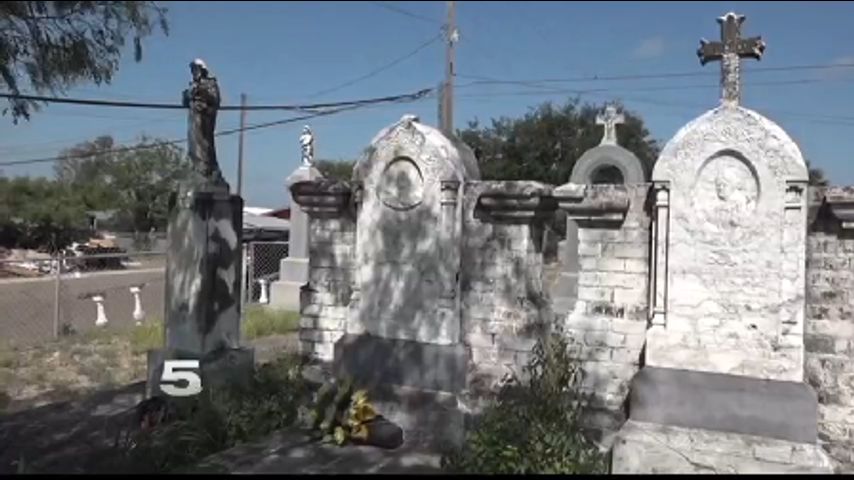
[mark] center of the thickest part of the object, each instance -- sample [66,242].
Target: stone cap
[322,196]
[840,200]
[609,203]
[514,201]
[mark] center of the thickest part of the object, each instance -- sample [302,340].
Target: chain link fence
[262,260]
[44,299]
[52,297]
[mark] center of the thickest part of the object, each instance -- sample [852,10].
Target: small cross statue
[610,119]
[730,50]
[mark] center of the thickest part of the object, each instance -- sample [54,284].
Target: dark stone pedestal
[203,286]
[415,385]
[227,367]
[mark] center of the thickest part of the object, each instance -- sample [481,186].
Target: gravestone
[293,270]
[203,263]
[727,297]
[607,162]
[403,327]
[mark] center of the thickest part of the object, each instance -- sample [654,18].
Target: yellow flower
[361,396]
[365,413]
[340,436]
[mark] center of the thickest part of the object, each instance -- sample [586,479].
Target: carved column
[790,326]
[358,190]
[449,199]
[658,267]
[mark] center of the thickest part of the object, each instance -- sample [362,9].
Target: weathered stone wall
[502,296]
[608,323]
[829,336]
[326,299]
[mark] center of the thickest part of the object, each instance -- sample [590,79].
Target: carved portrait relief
[726,192]
[401,186]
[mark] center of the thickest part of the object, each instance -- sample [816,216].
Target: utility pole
[240,143]
[447,105]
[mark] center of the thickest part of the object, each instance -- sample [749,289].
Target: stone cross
[610,119]
[730,50]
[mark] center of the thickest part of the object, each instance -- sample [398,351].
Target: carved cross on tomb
[610,119]
[729,51]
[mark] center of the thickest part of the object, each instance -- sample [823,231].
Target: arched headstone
[408,234]
[608,156]
[724,358]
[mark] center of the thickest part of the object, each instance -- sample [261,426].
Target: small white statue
[306,141]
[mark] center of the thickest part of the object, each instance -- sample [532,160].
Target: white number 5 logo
[177,370]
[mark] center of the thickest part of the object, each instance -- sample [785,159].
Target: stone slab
[374,361]
[233,366]
[286,295]
[727,403]
[298,452]
[648,448]
[292,269]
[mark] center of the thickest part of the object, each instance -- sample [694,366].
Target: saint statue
[203,100]
[306,141]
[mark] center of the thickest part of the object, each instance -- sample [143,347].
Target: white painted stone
[736,246]
[100,315]
[138,313]
[409,229]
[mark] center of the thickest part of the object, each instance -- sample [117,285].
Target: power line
[379,70]
[482,80]
[353,106]
[405,12]
[637,89]
[172,106]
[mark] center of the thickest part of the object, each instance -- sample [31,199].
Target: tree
[50,46]
[136,181]
[39,213]
[817,177]
[544,144]
[336,169]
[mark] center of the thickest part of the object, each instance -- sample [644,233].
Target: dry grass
[71,366]
[262,321]
[101,358]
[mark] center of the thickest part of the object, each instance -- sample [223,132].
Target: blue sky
[284,52]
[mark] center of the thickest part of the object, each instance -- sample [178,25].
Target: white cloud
[650,48]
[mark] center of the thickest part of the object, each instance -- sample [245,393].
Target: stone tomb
[397,289]
[727,297]
[608,162]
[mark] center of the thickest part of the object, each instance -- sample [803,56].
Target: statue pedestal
[293,271]
[204,265]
